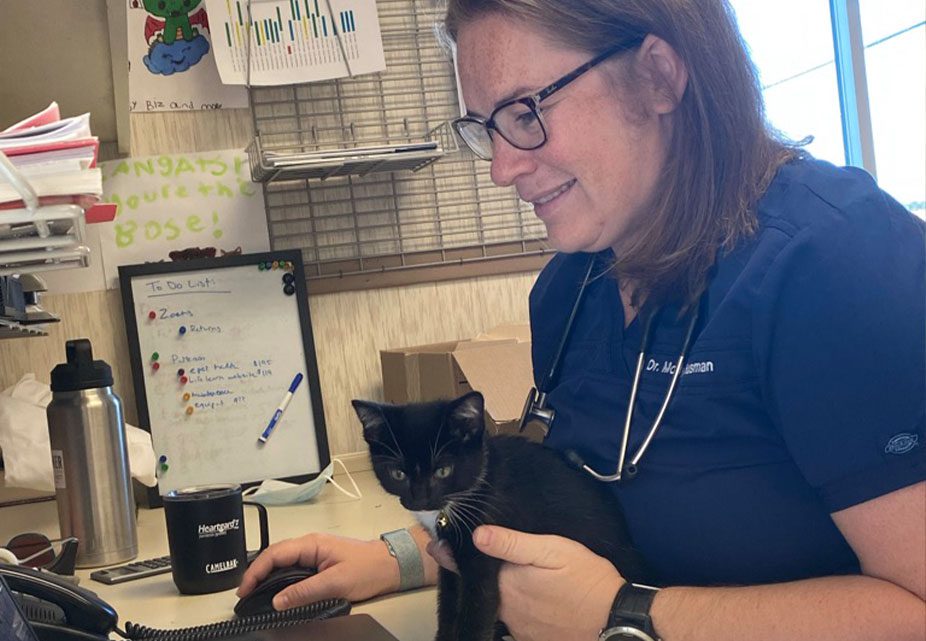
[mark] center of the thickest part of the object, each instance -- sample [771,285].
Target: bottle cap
[80,371]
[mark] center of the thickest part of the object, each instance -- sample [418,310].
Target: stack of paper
[48,178]
[56,156]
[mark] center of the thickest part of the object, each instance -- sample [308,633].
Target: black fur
[503,480]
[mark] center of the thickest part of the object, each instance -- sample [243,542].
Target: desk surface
[155,602]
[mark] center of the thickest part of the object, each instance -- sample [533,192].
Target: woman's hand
[440,551]
[552,588]
[347,568]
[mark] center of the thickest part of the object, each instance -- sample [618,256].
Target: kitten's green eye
[397,474]
[443,472]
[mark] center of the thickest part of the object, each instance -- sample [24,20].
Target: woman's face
[599,167]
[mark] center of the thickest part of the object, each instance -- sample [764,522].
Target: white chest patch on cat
[428,518]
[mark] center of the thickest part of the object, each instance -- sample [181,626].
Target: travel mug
[206,536]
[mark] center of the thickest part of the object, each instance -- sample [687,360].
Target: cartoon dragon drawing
[177,19]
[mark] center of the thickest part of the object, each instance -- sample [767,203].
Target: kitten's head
[423,452]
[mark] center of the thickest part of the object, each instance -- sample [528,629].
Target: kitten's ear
[466,415]
[370,414]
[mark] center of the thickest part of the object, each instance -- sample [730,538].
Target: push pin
[276,264]
[162,458]
[260,267]
[155,356]
[182,330]
[288,278]
[155,366]
[189,410]
[183,380]
[152,315]
[181,372]
[289,290]
[186,396]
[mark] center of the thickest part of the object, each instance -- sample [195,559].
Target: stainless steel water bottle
[93,483]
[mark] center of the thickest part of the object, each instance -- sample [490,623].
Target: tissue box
[497,364]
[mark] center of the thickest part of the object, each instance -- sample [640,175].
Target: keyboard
[132,571]
[141,569]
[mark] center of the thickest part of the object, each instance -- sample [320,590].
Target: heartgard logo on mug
[217,529]
[222,566]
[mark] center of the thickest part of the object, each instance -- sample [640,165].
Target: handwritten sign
[174,202]
[171,62]
[213,351]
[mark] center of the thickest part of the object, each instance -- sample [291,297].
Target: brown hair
[722,155]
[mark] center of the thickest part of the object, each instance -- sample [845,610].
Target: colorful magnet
[289,290]
[152,315]
[182,330]
[155,356]
[162,458]
[186,396]
[288,278]
[181,372]
[155,366]
[183,380]
[189,410]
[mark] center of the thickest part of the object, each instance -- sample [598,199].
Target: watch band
[402,546]
[630,618]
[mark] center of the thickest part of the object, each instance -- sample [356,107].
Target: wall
[62,44]
[350,328]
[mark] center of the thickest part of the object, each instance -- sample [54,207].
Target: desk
[155,602]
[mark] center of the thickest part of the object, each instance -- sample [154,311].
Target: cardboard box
[497,364]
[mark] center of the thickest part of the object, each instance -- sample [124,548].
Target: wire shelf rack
[38,238]
[364,174]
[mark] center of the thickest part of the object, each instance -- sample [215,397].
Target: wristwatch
[402,546]
[629,619]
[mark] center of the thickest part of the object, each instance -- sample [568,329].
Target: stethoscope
[536,407]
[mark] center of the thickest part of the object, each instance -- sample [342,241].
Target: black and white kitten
[437,458]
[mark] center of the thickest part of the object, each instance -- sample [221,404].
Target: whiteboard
[215,345]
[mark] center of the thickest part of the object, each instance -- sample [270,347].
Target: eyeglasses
[36,550]
[520,121]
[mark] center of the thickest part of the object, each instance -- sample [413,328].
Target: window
[895,64]
[800,83]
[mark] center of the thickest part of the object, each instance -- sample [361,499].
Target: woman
[790,465]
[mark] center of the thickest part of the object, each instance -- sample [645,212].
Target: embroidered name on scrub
[668,367]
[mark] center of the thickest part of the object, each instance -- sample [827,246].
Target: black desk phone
[61,611]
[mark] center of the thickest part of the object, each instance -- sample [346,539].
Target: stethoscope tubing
[536,406]
[632,469]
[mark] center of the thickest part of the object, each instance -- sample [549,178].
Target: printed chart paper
[171,63]
[295,41]
[175,202]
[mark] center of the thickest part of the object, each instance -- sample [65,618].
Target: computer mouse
[260,600]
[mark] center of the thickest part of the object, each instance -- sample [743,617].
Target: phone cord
[327,609]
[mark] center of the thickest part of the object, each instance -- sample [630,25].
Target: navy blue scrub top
[803,393]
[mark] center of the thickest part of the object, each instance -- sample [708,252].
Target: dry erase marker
[282,408]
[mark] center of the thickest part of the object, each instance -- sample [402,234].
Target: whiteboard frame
[128,272]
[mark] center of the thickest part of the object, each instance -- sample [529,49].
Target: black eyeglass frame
[532,102]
